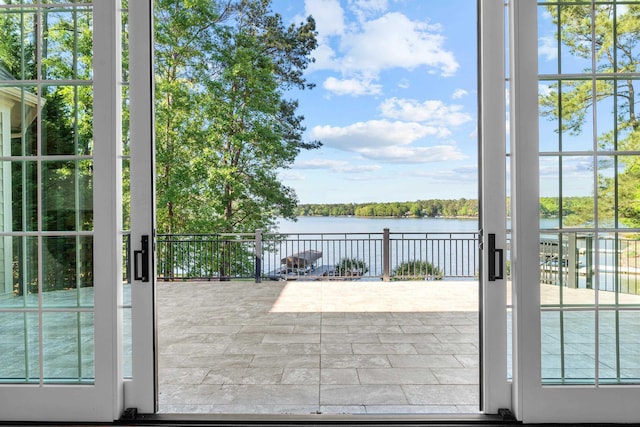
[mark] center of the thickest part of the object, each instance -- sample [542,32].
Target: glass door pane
[55,301]
[582,344]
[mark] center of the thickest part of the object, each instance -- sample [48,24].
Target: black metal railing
[259,256]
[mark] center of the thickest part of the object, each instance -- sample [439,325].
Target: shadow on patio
[356,347]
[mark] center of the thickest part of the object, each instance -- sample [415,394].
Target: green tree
[225,126]
[184,38]
[615,33]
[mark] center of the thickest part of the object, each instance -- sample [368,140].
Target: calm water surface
[331,224]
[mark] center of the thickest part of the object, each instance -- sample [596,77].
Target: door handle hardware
[492,260]
[141,259]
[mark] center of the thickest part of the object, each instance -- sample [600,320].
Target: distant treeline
[418,209]
[575,209]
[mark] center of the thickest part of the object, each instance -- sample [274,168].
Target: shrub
[351,267]
[417,270]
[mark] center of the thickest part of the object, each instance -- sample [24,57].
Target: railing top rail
[322,233]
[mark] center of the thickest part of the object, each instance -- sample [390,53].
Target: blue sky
[395,102]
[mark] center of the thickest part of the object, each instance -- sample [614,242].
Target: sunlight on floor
[372,297]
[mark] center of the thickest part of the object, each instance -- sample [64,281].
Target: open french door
[140,389]
[60,116]
[495,384]
[577,324]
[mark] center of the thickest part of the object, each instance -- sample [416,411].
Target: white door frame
[140,391]
[533,401]
[496,387]
[100,401]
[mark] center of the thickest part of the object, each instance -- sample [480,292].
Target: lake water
[328,224]
[320,224]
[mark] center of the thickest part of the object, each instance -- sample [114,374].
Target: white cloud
[329,16]
[318,164]
[405,154]
[459,93]
[548,48]
[360,169]
[325,58]
[374,134]
[433,112]
[367,47]
[352,87]
[463,173]
[292,176]
[404,84]
[366,8]
[340,166]
[393,40]
[387,141]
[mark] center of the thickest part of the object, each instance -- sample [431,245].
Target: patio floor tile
[317,347]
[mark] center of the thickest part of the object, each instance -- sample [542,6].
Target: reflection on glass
[618,268]
[67,195]
[87,347]
[67,44]
[67,126]
[568,347]
[67,271]
[24,195]
[629,265]
[85,194]
[567,269]
[18,111]
[619,346]
[68,347]
[19,282]
[19,28]
[19,348]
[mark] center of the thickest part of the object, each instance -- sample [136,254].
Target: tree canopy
[224,124]
[418,209]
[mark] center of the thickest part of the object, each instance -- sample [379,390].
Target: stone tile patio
[318,347]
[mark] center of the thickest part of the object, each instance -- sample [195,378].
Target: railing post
[386,254]
[258,256]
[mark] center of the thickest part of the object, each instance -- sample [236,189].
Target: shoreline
[388,217]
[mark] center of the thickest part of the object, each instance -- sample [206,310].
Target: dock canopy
[302,259]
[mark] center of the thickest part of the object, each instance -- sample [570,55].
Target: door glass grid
[46,192]
[589,56]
